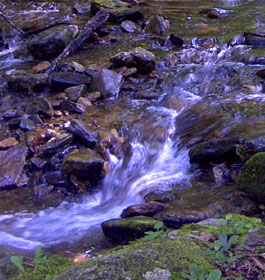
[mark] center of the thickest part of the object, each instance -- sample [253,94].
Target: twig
[21,32]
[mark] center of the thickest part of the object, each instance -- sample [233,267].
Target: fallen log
[91,25]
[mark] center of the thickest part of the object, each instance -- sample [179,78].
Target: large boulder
[146,209]
[51,43]
[252,177]
[124,230]
[12,165]
[139,58]
[84,164]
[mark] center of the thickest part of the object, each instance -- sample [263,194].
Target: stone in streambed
[8,143]
[252,177]
[12,165]
[157,25]
[73,107]
[146,209]
[254,39]
[176,40]
[85,164]
[55,144]
[140,58]
[216,151]
[50,43]
[124,230]
[74,93]
[128,26]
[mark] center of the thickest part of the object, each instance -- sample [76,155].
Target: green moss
[252,177]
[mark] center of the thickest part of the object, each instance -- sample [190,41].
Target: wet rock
[53,145]
[117,8]
[20,80]
[261,73]
[73,66]
[11,166]
[128,26]
[40,67]
[157,25]
[73,93]
[8,143]
[27,124]
[175,219]
[85,164]
[214,14]
[38,162]
[107,82]
[176,40]
[57,100]
[85,102]
[51,43]
[162,198]
[35,138]
[42,106]
[221,174]
[63,80]
[254,39]
[123,230]
[55,178]
[147,94]
[73,107]
[93,96]
[140,58]
[216,151]
[252,177]
[79,9]
[128,72]
[146,209]
[82,130]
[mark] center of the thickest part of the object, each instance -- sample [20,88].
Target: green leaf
[217,245]
[221,258]
[233,240]
[215,275]
[194,270]
[18,262]
[223,239]
[228,217]
[159,225]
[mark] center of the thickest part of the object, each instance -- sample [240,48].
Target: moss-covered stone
[252,177]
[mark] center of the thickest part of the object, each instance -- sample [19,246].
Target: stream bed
[208,89]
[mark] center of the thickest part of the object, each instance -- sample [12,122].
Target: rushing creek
[156,158]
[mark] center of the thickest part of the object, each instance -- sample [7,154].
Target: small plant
[196,274]
[18,262]
[151,235]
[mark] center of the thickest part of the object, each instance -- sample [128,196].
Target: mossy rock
[142,258]
[252,177]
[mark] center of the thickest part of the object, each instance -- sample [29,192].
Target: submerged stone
[252,177]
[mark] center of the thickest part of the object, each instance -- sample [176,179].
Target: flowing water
[156,158]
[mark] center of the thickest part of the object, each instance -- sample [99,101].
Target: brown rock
[35,138]
[8,143]
[40,67]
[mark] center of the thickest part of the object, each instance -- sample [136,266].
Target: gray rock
[146,209]
[82,130]
[53,145]
[63,80]
[157,25]
[12,165]
[210,222]
[157,274]
[73,107]
[43,107]
[140,58]
[128,26]
[74,93]
[107,82]
[51,43]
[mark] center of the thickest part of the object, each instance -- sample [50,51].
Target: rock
[55,178]
[42,106]
[83,131]
[176,40]
[73,107]
[157,274]
[221,174]
[53,145]
[85,102]
[38,162]
[85,164]
[73,93]
[93,96]
[214,14]
[140,58]
[63,80]
[73,66]
[254,39]
[128,26]
[35,138]
[107,82]
[50,43]
[146,209]
[57,100]
[123,230]
[216,151]
[79,9]
[162,198]
[8,143]
[175,219]
[11,166]
[157,25]
[40,67]
[20,80]
[252,177]
[117,8]
[27,124]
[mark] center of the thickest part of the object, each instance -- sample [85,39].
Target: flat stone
[73,107]
[63,80]
[128,26]
[8,143]
[74,93]
[40,67]
[146,209]
[12,165]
